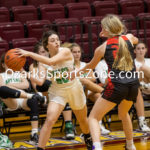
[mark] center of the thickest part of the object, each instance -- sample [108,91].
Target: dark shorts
[44,87]
[116,92]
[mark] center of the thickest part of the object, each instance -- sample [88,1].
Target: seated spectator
[142,64]
[11,79]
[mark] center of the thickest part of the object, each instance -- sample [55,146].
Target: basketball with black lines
[13,61]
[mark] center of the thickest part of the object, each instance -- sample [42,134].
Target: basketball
[13,61]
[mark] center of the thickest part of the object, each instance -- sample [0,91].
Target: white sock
[35,130]
[129,143]
[100,122]
[141,118]
[97,145]
[29,96]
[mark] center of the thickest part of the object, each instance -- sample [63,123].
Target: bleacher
[22,22]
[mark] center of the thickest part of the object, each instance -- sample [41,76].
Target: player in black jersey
[122,85]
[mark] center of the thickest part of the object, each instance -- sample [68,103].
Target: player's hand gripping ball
[13,61]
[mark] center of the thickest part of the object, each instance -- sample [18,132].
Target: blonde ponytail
[123,60]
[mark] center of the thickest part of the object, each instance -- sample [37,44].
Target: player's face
[103,33]
[43,52]
[53,43]
[76,51]
[140,50]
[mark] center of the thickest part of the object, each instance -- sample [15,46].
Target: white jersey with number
[64,90]
[138,65]
[11,78]
[14,77]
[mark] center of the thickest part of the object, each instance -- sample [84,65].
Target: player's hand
[22,52]
[72,75]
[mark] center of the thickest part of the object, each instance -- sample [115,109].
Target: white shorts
[19,104]
[71,93]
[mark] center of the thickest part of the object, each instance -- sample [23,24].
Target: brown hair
[45,38]
[2,61]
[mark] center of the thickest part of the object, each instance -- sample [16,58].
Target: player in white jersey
[63,89]
[42,88]
[17,81]
[142,64]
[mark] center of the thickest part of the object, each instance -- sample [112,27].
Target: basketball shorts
[72,94]
[116,92]
[19,102]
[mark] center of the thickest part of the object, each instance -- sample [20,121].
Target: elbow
[26,86]
[40,83]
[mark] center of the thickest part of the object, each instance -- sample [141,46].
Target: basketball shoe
[143,125]
[34,138]
[87,140]
[69,130]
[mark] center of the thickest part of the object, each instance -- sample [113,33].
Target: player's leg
[123,109]
[53,112]
[100,108]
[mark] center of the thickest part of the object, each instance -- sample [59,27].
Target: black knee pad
[67,107]
[34,110]
[44,87]
[6,92]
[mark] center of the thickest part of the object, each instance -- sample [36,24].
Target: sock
[29,96]
[141,118]
[39,148]
[97,145]
[129,143]
[68,121]
[35,130]
[87,135]
[100,122]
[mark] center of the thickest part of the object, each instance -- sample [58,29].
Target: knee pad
[44,87]
[6,92]
[34,110]
[67,107]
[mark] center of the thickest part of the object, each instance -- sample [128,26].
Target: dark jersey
[116,75]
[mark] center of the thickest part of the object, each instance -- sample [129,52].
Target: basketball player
[121,89]
[62,90]
[37,85]
[11,79]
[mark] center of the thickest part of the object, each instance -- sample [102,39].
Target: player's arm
[41,76]
[98,54]
[63,55]
[24,84]
[134,40]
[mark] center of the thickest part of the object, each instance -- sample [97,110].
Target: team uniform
[12,78]
[64,90]
[145,87]
[119,85]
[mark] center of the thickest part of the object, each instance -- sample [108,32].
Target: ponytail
[123,60]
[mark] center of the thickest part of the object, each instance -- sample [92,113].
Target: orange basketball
[13,61]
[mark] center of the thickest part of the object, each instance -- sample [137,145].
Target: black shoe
[35,138]
[88,140]
[1,110]
[41,99]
